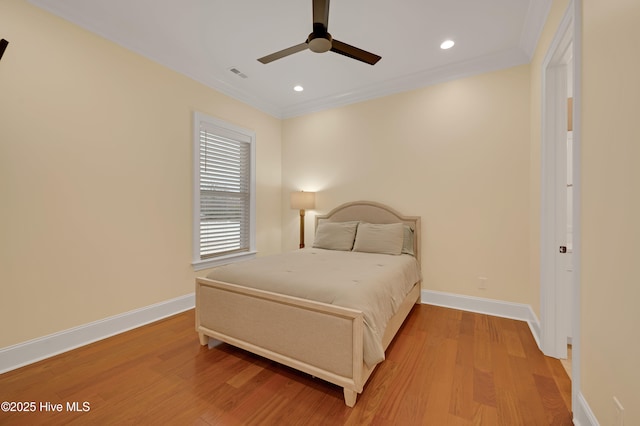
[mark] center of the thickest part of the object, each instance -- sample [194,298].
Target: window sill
[199,265]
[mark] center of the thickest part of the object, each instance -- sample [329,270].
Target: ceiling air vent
[237,72]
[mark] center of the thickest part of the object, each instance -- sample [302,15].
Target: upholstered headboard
[373,212]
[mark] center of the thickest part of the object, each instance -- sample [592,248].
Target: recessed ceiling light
[298,88]
[447,44]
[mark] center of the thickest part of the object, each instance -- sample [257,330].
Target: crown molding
[533,25]
[500,60]
[162,58]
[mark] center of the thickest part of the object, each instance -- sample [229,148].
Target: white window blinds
[224,189]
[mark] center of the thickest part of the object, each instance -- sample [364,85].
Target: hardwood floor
[445,367]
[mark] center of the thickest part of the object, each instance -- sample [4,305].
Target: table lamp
[303,200]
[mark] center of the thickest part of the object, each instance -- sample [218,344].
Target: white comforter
[375,284]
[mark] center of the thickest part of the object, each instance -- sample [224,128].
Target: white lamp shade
[303,200]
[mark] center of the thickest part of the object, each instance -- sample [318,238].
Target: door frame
[552,342]
[554,133]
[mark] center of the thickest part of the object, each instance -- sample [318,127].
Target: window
[224,193]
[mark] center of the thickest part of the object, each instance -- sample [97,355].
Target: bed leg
[204,339]
[350,397]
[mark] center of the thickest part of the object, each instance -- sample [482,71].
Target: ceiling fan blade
[321,13]
[285,52]
[353,52]
[3,45]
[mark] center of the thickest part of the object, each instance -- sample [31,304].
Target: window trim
[198,263]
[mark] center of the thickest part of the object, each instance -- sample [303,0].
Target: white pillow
[335,235]
[379,238]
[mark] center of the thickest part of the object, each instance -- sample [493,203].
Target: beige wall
[611,208]
[456,154]
[95,176]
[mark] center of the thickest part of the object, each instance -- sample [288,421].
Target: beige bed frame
[320,339]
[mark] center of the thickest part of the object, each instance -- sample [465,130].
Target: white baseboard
[582,414]
[25,353]
[498,308]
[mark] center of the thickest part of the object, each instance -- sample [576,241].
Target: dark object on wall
[3,45]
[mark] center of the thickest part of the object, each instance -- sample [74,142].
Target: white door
[564,240]
[556,226]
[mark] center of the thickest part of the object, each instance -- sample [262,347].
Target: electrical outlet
[482,283]
[618,413]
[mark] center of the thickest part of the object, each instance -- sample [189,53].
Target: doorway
[560,208]
[560,212]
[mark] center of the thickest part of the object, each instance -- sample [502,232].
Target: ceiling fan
[320,40]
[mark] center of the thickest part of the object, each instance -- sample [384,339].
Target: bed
[334,338]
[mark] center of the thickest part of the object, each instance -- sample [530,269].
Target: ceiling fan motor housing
[319,43]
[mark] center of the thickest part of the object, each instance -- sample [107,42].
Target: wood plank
[484,390]
[462,403]
[244,376]
[530,406]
